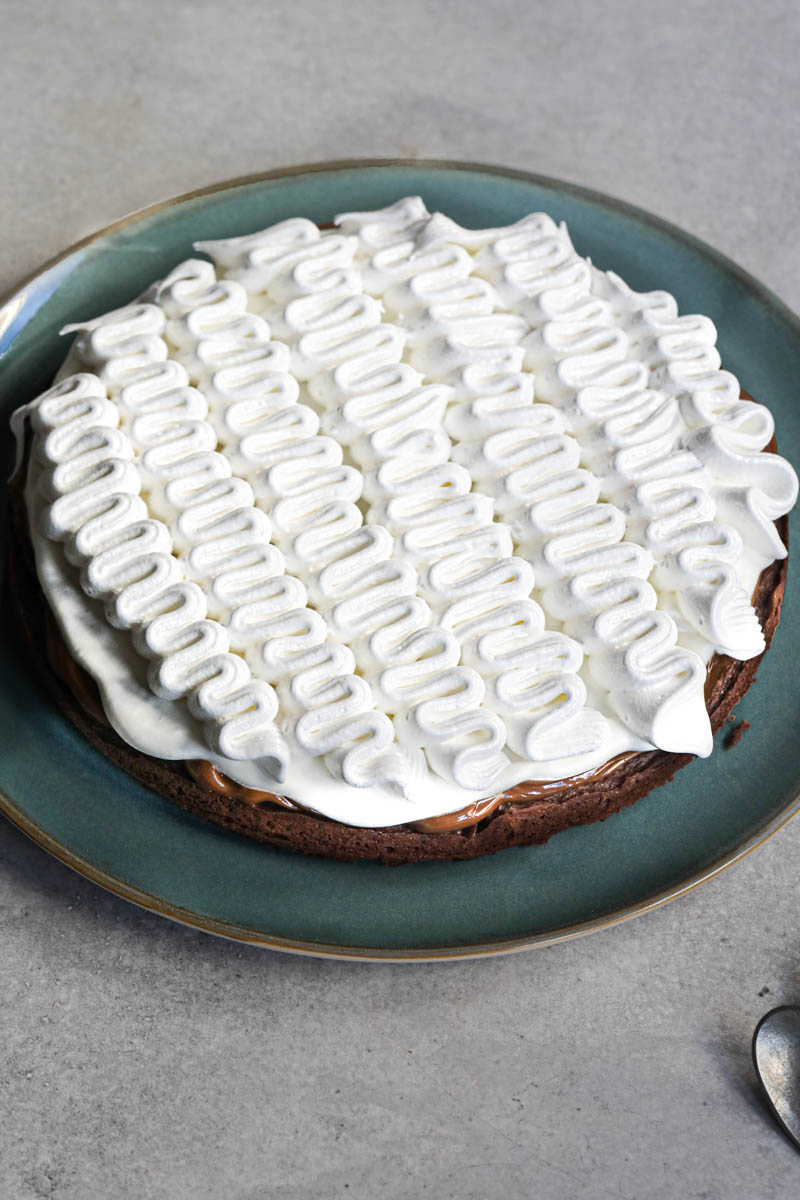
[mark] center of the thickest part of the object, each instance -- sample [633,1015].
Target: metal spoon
[776,1056]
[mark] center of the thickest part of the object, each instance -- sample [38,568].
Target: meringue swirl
[594,581]
[224,542]
[380,407]
[402,513]
[96,508]
[369,598]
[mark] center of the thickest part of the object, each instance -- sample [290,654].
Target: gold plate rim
[239,933]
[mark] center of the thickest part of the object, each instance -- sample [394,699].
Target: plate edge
[439,954]
[551,181]
[240,933]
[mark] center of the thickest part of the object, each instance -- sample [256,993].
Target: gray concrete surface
[140,1059]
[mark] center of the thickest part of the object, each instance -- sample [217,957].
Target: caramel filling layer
[211,778]
[531,789]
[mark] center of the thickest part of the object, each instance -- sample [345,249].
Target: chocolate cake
[398,520]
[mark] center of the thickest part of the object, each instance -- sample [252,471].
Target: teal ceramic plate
[92,816]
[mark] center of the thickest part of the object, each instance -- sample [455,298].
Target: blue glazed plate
[72,801]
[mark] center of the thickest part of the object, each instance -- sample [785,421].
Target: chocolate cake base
[514,823]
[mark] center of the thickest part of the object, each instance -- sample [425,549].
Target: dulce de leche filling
[531,789]
[210,777]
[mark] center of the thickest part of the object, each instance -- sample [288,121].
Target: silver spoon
[776,1055]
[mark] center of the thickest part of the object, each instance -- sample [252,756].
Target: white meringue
[440,509]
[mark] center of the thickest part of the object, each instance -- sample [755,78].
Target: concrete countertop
[141,1059]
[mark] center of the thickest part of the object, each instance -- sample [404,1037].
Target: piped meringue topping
[394,516]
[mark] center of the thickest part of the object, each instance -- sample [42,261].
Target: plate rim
[306,947]
[239,933]
[465,165]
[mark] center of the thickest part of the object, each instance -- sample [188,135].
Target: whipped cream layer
[392,517]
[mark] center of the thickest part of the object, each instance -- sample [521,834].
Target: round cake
[398,540]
